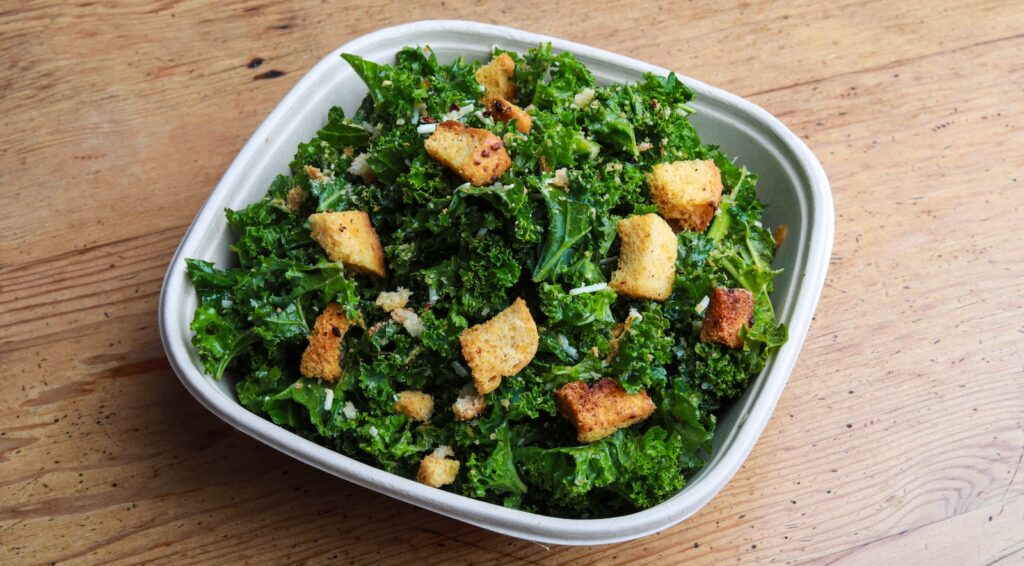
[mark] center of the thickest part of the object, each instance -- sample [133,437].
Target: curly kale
[544,231]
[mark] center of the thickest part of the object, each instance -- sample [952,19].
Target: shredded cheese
[349,410]
[702,305]
[409,320]
[426,128]
[328,399]
[588,289]
[569,349]
[459,369]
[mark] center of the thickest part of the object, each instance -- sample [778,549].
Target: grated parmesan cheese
[328,399]
[426,128]
[583,98]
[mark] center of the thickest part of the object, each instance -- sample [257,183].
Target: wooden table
[899,439]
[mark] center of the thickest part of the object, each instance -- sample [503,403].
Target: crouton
[780,235]
[477,155]
[349,237]
[437,469]
[469,404]
[496,76]
[503,111]
[598,411]
[647,258]
[500,347]
[416,405]
[314,173]
[728,312]
[294,199]
[687,193]
[322,357]
[391,300]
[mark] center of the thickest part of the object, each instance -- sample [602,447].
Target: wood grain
[900,438]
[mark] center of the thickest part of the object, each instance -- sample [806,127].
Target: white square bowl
[792,184]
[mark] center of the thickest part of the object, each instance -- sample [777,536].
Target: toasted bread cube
[349,237]
[502,110]
[295,197]
[469,404]
[728,312]
[600,410]
[687,193]
[416,405]
[314,173]
[437,469]
[647,258]
[500,347]
[477,155]
[496,76]
[322,357]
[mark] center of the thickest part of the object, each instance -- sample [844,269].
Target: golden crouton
[314,173]
[322,357]
[416,405]
[687,192]
[478,156]
[600,410]
[295,197]
[349,237]
[469,404]
[500,347]
[502,110]
[647,258]
[437,469]
[496,76]
[728,312]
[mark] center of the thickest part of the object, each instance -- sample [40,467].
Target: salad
[503,280]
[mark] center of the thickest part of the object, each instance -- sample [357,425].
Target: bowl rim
[543,528]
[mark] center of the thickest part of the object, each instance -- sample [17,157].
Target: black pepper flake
[496,146]
[255,62]
[335,331]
